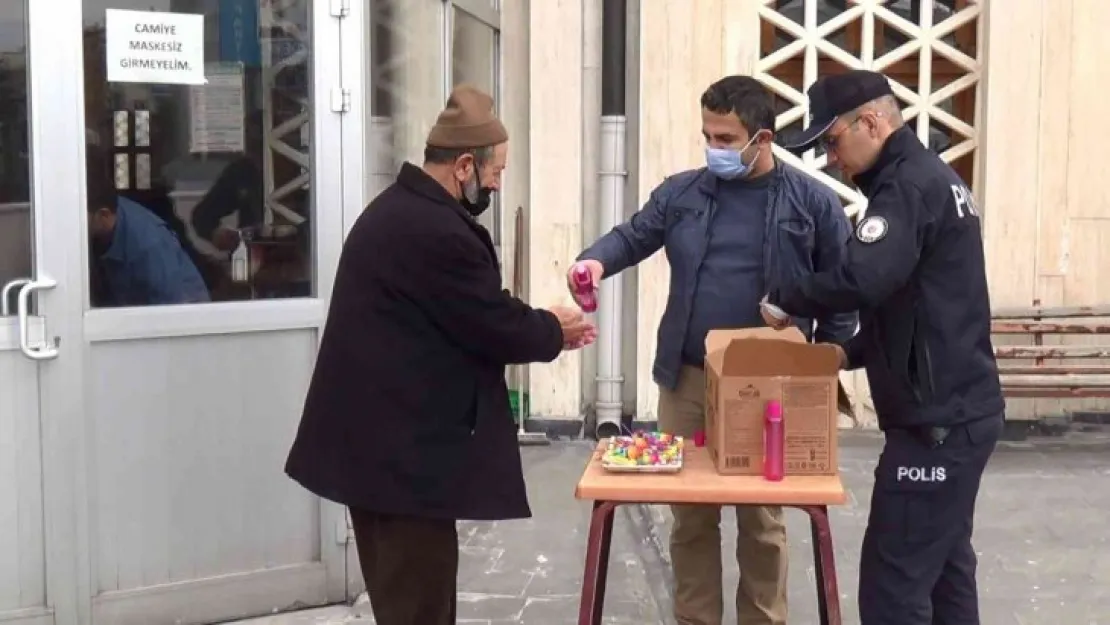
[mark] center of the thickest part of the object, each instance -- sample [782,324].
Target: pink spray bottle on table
[583,284]
[773,441]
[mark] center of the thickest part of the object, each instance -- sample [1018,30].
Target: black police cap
[833,96]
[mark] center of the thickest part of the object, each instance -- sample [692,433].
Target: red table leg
[597,563]
[824,566]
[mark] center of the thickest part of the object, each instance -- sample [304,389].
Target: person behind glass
[916,272]
[407,419]
[731,230]
[238,190]
[136,258]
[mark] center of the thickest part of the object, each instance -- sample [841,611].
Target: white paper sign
[153,47]
[216,111]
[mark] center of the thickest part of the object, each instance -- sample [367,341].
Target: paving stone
[1040,535]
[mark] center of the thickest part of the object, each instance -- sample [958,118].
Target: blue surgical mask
[727,163]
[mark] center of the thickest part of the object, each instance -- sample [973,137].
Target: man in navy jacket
[732,231]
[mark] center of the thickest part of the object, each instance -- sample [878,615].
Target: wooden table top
[699,483]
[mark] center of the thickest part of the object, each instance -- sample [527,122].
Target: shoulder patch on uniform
[871,229]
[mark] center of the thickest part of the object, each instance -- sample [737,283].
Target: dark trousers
[917,565]
[410,566]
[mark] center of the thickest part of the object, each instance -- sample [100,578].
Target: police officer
[915,271]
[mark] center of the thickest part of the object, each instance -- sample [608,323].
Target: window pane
[409,59]
[407,77]
[473,54]
[198,192]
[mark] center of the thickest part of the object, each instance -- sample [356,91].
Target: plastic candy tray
[674,466]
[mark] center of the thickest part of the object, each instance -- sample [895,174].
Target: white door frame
[355,46]
[56,88]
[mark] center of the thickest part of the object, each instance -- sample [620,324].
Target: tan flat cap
[467,121]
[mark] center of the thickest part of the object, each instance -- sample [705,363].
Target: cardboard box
[746,368]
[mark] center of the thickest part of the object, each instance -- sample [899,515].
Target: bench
[1041,370]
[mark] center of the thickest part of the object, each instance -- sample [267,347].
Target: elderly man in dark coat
[407,420]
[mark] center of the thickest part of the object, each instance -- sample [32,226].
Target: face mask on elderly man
[475,198]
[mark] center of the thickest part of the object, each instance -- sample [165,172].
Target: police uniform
[916,273]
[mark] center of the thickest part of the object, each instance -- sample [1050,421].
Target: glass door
[192,224]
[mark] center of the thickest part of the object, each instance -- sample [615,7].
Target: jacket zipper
[923,363]
[928,367]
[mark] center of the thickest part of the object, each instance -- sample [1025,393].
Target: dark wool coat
[408,411]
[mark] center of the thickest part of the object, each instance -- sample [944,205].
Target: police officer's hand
[842,355]
[773,316]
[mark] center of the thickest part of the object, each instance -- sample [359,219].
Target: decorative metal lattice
[285,104]
[908,40]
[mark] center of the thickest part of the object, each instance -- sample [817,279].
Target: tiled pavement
[1041,534]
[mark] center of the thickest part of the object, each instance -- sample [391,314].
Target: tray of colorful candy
[643,452]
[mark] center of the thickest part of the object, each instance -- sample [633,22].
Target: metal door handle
[6,295]
[46,352]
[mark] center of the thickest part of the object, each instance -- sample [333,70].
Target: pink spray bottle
[773,441]
[583,284]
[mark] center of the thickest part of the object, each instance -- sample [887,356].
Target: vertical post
[614,176]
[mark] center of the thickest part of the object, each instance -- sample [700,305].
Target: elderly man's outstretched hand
[577,331]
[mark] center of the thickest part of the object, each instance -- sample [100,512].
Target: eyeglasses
[829,141]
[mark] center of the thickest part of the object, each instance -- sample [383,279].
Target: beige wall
[683,58]
[1028,72]
[1047,207]
[555,184]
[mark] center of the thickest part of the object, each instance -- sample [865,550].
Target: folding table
[699,483]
